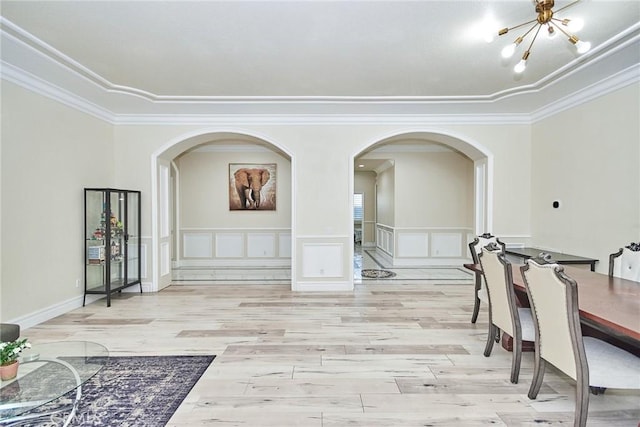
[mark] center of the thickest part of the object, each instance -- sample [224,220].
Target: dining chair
[626,263]
[589,361]
[475,248]
[504,313]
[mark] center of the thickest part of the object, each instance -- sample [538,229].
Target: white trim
[324,119]
[617,81]
[247,229]
[193,138]
[326,236]
[35,84]
[308,286]
[55,310]
[97,87]
[9,29]
[430,262]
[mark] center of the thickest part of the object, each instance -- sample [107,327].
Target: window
[358,207]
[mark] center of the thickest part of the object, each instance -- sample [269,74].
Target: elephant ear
[265,176]
[241,177]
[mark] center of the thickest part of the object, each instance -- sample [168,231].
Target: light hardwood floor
[387,354]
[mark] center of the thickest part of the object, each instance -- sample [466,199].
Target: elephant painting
[253,187]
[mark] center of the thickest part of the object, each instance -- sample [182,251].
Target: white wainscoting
[322,260]
[235,247]
[424,246]
[229,245]
[261,245]
[323,263]
[446,245]
[413,245]
[385,239]
[198,245]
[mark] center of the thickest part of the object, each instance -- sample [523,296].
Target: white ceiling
[156,56]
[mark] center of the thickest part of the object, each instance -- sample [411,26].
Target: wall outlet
[77,283]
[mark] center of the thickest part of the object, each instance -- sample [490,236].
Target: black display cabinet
[112,250]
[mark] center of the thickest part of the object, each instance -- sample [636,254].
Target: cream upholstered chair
[475,248]
[504,314]
[626,263]
[559,341]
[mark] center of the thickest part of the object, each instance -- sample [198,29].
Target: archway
[203,246]
[407,241]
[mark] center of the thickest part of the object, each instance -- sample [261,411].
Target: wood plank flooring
[384,355]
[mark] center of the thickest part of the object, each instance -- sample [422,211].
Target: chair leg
[476,310]
[490,340]
[516,359]
[538,373]
[582,404]
[476,306]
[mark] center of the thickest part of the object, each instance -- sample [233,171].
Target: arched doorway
[432,192]
[212,232]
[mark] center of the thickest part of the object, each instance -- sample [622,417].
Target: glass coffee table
[46,372]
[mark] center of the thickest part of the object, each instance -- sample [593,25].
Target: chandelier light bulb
[583,47]
[544,20]
[520,66]
[509,50]
[574,25]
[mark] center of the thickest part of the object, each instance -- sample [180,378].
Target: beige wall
[433,190]
[50,152]
[365,183]
[386,197]
[204,191]
[588,159]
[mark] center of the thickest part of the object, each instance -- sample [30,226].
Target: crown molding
[42,87]
[617,81]
[78,87]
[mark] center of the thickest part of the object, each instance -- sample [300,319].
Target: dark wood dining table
[609,306]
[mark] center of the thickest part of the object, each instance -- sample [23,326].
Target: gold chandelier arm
[534,38]
[560,28]
[506,30]
[537,24]
[567,6]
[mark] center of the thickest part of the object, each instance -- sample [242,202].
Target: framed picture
[252,186]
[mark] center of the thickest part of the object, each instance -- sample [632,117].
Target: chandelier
[546,19]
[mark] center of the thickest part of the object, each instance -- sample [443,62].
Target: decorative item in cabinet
[112,225]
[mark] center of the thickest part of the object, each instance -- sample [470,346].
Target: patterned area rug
[377,274]
[130,391]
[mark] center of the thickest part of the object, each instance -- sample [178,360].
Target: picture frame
[252,186]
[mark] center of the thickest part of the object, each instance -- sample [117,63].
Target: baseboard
[55,310]
[309,286]
[429,262]
[146,287]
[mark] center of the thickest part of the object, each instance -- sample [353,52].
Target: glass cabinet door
[133,237]
[116,226]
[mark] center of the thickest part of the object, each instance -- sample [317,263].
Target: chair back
[480,242]
[554,303]
[502,300]
[626,263]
